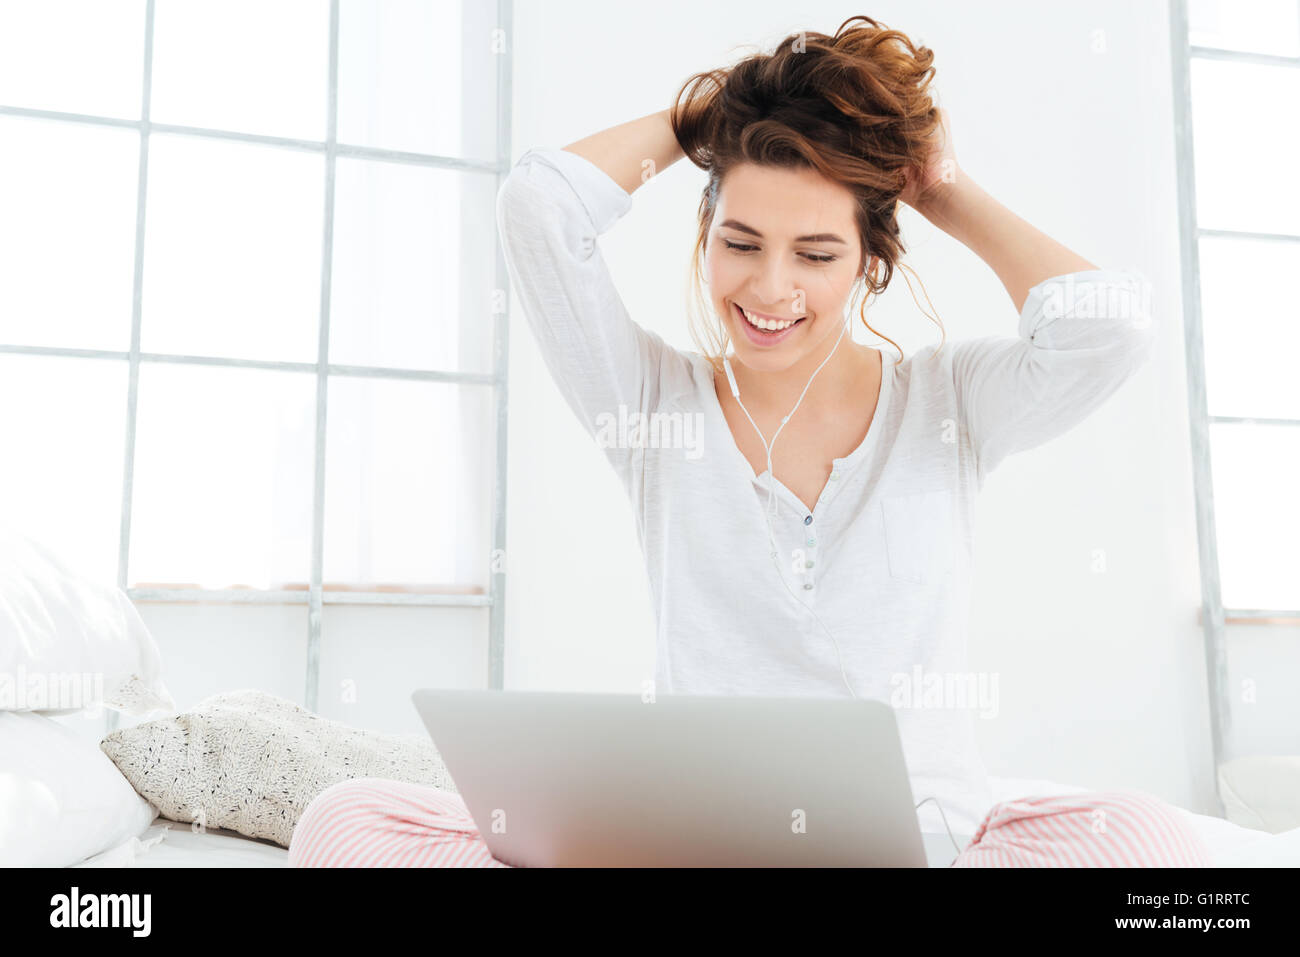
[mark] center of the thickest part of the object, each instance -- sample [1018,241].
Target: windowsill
[295,589]
[1282,618]
[327,586]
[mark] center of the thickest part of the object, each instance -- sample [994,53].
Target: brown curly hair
[854,107]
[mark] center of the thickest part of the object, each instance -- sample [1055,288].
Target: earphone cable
[771,535]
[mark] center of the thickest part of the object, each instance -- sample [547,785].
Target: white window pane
[412,272]
[1246,141]
[67,233]
[1256,470]
[408,483]
[232,250]
[419,76]
[62,429]
[1251,322]
[222,494]
[242,65]
[73,56]
[1256,26]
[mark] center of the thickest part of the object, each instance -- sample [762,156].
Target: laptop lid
[606,780]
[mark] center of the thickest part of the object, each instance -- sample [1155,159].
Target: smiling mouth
[768,326]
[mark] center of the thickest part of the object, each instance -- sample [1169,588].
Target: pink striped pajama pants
[373,822]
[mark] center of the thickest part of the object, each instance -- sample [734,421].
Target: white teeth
[768,325]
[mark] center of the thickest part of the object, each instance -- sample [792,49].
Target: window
[1236,98]
[252,331]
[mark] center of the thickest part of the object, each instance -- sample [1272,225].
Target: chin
[766,360]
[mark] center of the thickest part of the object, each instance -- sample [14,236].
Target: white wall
[1101,674]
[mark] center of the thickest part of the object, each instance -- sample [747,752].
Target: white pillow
[61,798]
[68,643]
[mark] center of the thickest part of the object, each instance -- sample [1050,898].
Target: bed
[61,795]
[171,844]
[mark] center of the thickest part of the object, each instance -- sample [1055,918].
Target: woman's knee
[1125,828]
[354,812]
[339,810]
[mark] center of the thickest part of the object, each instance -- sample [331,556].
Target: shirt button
[807,586]
[810,541]
[808,520]
[807,564]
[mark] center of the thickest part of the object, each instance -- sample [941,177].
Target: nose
[771,284]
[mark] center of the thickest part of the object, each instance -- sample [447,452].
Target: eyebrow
[814,238]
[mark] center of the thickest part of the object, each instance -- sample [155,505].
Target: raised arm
[1081,336]
[551,209]
[632,152]
[1021,254]
[1082,330]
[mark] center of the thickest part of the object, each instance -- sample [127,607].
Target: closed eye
[811,257]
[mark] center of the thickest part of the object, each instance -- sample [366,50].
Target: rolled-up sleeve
[550,210]
[1081,336]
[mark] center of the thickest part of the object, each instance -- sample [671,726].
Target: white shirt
[884,559]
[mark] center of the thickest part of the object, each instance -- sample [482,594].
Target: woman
[839,558]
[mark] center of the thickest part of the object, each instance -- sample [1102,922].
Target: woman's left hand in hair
[939,170]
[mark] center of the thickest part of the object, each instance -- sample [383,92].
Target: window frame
[1212,617]
[314,594]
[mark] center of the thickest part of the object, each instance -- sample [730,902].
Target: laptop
[607,780]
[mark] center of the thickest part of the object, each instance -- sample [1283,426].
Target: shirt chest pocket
[918,535]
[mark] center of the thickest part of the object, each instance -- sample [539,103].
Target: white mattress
[169,844]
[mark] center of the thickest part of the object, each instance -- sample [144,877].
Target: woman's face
[784,247]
